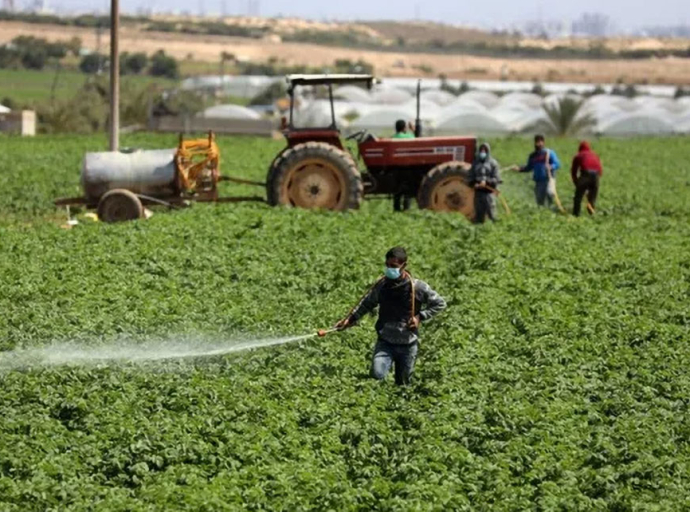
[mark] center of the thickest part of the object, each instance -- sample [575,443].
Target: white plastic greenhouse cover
[427,108]
[352,93]
[473,122]
[438,96]
[683,125]
[635,124]
[243,86]
[486,98]
[390,96]
[382,118]
[231,112]
[463,105]
[526,98]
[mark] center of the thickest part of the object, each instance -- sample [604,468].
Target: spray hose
[497,193]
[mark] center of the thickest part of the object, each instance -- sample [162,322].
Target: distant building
[592,25]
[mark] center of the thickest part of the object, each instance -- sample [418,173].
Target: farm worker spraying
[485,178]
[588,165]
[404,302]
[402,198]
[543,163]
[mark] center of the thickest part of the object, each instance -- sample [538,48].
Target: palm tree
[566,117]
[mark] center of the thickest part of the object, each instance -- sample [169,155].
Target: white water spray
[59,354]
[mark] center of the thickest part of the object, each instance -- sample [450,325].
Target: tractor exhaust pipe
[418,121]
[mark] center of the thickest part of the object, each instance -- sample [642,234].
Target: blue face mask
[392,273]
[483,155]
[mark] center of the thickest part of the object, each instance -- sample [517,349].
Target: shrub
[92,63]
[133,64]
[164,65]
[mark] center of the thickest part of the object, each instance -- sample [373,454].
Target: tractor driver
[403,197]
[401,131]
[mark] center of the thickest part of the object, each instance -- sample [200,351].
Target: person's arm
[529,166]
[366,305]
[432,302]
[555,162]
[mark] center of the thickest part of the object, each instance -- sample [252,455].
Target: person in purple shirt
[537,163]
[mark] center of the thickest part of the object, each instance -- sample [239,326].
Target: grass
[556,380]
[29,87]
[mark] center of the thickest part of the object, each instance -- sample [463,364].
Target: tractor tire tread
[340,158]
[435,175]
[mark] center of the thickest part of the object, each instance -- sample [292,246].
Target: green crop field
[557,379]
[28,87]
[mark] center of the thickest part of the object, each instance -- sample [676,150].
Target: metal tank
[150,172]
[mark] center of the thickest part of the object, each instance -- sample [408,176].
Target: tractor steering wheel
[358,136]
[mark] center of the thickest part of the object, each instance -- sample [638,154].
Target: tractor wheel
[119,205]
[315,175]
[272,200]
[444,188]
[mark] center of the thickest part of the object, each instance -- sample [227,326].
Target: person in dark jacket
[539,163]
[588,165]
[404,303]
[485,177]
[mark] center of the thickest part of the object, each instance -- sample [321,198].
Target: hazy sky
[625,14]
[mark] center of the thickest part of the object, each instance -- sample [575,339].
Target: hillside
[195,47]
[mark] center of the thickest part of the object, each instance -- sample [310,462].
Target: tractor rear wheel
[445,188]
[315,175]
[118,205]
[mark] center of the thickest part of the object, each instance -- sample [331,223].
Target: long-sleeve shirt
[395,300]
[536,163]
[586,160]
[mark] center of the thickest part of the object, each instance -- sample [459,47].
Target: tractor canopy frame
[294,81]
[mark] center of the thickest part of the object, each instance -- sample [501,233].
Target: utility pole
[114,75]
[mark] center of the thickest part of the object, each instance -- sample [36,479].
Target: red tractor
[316,170]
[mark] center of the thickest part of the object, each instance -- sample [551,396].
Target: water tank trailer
[119,184]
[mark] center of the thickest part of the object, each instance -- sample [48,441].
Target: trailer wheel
[445,188]
[119,205]
[315,175]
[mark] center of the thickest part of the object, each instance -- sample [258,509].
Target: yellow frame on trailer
[198,165]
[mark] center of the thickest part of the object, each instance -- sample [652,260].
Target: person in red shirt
[588,165]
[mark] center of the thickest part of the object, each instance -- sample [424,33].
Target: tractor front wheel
[445,188]
[119,205]
[315,175]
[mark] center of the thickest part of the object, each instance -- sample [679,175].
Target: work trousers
[587,183]
[386,354]
[541,194]
[484,206]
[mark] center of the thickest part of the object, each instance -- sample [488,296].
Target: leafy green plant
[566,117]
[557,378]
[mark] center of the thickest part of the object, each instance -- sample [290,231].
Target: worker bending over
[404,303]
[485,177]
[588,165]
